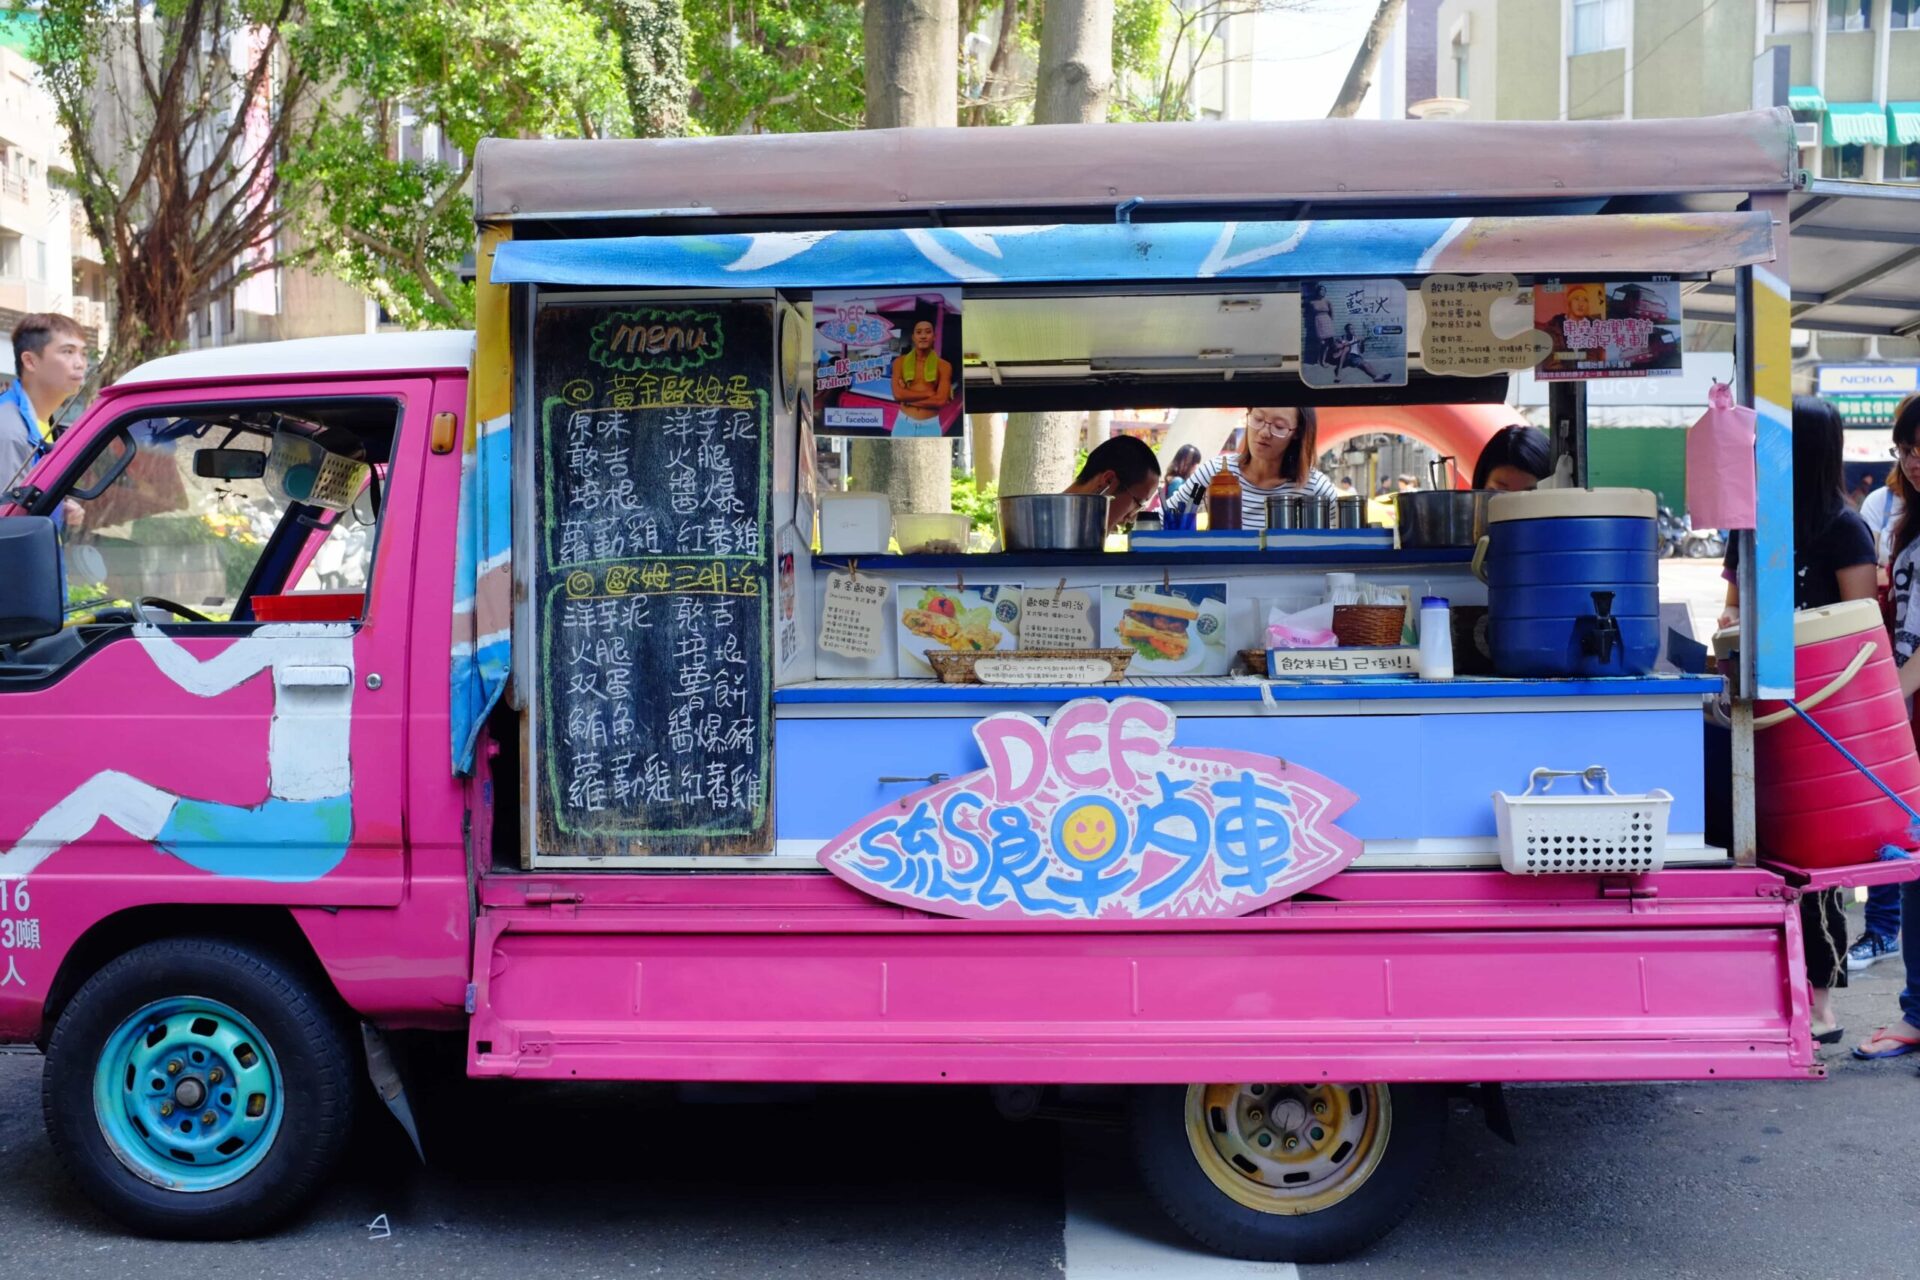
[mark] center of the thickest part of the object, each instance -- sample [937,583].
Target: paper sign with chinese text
[853,617]
[1460,338]
[1098,815]
[1055,618]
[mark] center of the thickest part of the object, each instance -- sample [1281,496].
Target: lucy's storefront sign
[1097,815]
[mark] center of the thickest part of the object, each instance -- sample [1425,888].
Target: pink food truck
[539,687]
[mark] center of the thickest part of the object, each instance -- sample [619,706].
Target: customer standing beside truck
[1833,560]
[1276,457]
[50,363]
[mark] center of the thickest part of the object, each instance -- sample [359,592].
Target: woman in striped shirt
[1276,456]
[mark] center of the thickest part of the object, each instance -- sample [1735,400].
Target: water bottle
[1436,639]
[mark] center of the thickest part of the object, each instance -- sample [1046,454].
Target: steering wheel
[177,610]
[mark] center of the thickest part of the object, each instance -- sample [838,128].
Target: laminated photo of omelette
[1173,630]
[955,619]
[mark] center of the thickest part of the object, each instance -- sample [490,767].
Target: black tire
[305,1037]
[1372,1207]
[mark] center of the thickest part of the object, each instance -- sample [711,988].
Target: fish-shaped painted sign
[1097,815]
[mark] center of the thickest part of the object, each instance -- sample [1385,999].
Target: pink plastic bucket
[1814,809]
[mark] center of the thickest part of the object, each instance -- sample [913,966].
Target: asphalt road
[1720,1180]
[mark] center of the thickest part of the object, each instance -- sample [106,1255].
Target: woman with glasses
[1276,457]
[1886,922]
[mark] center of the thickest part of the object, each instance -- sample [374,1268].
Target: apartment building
[1854,67]
[47,260]
[1854,72]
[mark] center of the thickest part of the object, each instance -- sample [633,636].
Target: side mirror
[30,595]
[229,464]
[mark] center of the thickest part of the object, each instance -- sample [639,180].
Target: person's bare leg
[137,808]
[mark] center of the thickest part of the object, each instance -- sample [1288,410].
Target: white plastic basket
[1598,830]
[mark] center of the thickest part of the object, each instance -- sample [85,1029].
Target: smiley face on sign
[1097,815]
[1090,830]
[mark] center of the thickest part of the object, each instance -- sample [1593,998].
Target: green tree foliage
[398,225]
[777,66]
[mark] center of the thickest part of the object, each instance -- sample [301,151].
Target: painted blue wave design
[925,256]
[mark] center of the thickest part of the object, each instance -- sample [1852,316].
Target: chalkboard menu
[653,468]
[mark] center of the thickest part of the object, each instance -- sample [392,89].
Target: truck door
[224,710]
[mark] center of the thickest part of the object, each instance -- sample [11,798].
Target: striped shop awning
[1903,124]
[1805,97]
[1854,124]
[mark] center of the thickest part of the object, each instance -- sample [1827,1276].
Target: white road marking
[1113,1228]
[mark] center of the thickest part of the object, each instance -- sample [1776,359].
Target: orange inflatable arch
[1458,430]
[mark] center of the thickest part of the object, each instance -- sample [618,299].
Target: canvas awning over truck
[984,175]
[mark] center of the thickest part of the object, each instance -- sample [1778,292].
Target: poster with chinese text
[1608,330]
[888,364]
[1353,333]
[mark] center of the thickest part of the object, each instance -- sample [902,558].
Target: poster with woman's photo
[888,364]
[1353,333]
[1620,329]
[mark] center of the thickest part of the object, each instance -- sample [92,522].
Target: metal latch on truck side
[1626,887]
[540,895]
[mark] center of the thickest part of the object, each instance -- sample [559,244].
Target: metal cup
[1287,511]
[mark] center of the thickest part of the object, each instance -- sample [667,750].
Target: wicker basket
[957,668]
[1368,626]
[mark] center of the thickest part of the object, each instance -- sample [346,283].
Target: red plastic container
[311,606]
[1814,809]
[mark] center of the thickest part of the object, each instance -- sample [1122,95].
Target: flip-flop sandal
[1898,1047]
[1827,1035]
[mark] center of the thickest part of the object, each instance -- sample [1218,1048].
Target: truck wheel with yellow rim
[1284,1172]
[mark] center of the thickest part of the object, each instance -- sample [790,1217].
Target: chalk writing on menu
[653,578]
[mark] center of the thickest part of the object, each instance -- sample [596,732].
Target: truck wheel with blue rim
[1284,1172]
[199,1089]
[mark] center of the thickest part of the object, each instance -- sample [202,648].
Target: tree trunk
[1076,63]
[1366,61]
[913,52]
[1037,456]
[653,54]
[989,433]
[1075,80]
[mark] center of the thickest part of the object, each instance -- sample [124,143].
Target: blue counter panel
[1214,689]
[1286,557]
[1416,776]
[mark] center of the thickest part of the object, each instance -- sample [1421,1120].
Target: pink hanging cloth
[1720,482]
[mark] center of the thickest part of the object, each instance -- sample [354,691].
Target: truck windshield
[198,515]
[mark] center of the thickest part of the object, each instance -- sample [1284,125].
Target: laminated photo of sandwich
[1174,629]
[954,619]
[1156,627]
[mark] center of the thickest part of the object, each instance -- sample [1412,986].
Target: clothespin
[1059,591]
[959,581]
[853,567]
[1166,579]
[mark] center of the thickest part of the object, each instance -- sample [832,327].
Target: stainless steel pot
[1443,517]
[1053,522]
